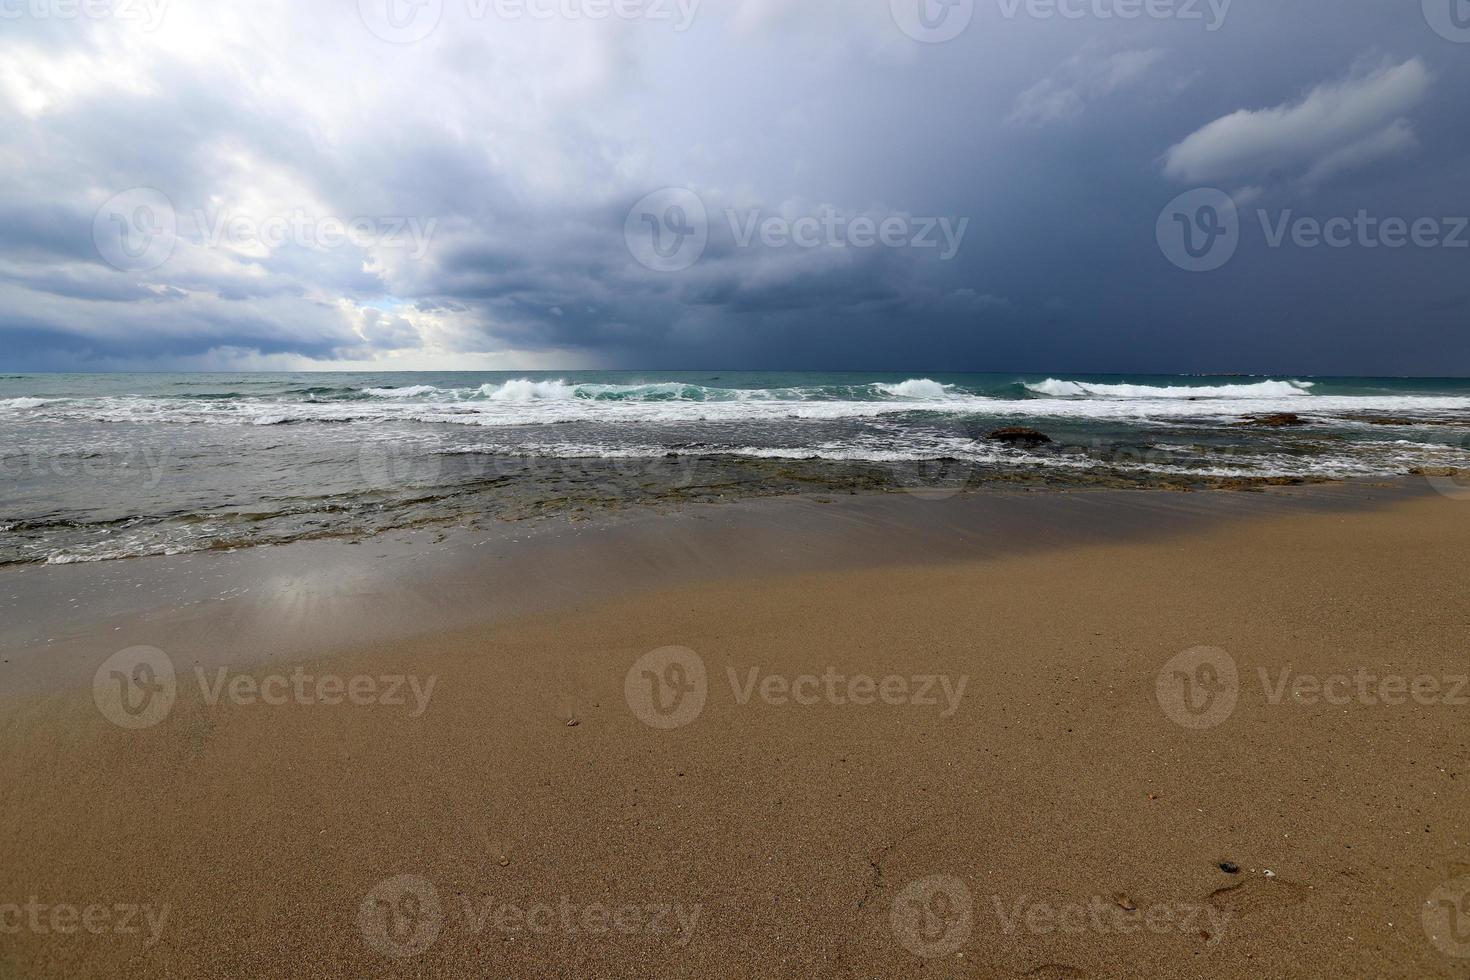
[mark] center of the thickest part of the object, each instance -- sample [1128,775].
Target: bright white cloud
[1337,126]
[1396,139]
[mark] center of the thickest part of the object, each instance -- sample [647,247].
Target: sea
[110,466]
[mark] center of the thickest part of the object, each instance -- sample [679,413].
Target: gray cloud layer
[198,184]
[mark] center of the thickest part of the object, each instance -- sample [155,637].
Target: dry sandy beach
[1232,745]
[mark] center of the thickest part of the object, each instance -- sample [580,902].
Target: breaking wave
[1053,388]
[526,390]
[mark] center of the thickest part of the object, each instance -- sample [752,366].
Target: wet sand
[910,755]
[315,597]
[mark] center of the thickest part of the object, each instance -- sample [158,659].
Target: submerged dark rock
[1018,436]
[1279,420]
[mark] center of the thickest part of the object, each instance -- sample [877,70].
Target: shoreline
[799,831]
[117,467]
[316,596]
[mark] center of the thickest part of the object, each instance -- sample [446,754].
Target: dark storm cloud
[46,232]
[491,169]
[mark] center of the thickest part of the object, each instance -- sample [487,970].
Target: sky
[1133,186]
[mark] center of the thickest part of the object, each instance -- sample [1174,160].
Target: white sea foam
[527,390]
[1361,460]
[524,390]
[525,402]
[556,408]
[919,389]
[412,391]
[1086,389]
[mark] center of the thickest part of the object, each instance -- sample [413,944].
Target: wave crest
[412,391]
[1053,388]
[916,388]
[527,390]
